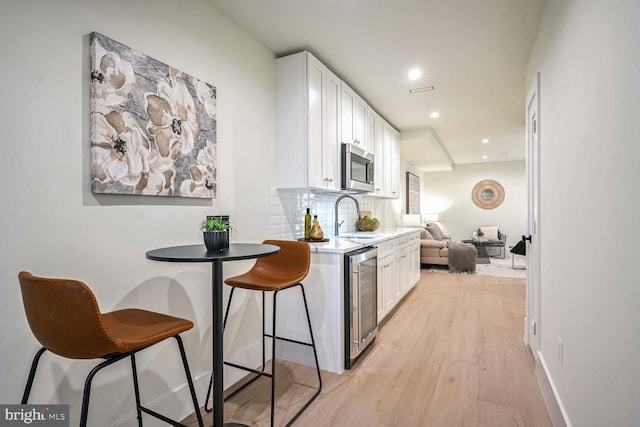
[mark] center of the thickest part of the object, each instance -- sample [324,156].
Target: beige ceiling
[473,52]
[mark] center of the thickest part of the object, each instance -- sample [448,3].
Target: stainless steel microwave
[357,169]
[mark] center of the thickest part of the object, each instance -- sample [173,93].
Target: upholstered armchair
[491,232]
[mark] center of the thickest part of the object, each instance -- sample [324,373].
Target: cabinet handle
[356,142]
[328,180]
[377,189]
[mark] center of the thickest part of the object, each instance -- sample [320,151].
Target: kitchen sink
[360,235]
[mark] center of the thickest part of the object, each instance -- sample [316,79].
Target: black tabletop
[484,242]
[199,253]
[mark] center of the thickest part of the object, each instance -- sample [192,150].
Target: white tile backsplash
[288,207]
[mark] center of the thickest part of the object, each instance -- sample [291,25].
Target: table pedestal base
[483,255]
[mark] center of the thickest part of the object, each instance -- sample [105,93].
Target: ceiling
[473,52]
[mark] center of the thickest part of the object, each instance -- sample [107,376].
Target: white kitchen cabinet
[308,97]
[413,259]
[315,113]
[401,252]
[370,130]
[379,159]
[398,270]
[394,164]
[354,116]
[387,158]
[386,278]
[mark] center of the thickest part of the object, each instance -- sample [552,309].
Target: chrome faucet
[338,224]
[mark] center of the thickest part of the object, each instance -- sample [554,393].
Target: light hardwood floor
[452,354]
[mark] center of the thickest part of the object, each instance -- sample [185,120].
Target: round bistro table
[199,253]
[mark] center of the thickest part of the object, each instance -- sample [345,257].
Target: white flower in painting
[203,182]
[159,183]
[119,149]
[111,77]
[207,96]
[173,121]
[162,173]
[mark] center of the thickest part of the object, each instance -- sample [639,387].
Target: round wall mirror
[487,194]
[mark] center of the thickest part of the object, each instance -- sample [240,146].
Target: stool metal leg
[313,344]
[32,374]
[192,390]
[136,389]
[87,386]
[273,360]
[264,334]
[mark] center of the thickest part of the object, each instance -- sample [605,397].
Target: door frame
[533,322]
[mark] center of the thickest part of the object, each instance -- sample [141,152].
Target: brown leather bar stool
[64,317]
[275,273]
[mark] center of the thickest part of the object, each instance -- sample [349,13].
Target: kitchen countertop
[352,241]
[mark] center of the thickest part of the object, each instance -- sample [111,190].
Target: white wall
[449,195]
[53,225]
[588,54]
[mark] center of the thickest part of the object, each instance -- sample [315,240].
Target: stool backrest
[64,316]
[291,264]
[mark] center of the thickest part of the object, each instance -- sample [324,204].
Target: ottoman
[462,258]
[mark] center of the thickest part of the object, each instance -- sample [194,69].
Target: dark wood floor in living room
[451,355]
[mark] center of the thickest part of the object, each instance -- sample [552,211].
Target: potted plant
[215,231]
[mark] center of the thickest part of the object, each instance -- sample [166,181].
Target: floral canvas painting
[153,127]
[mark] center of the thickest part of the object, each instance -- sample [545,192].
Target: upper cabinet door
[307,123]
[354,117]
[394,167]
[316,76]
[370,130]
[379,163]
[332,129]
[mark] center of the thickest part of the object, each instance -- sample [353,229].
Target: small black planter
[216,240]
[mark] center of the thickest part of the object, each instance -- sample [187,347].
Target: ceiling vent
[421,89]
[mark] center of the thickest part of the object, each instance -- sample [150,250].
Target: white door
[533,326]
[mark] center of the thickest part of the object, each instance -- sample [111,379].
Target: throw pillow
[434,231]
[490,233]
[425,235]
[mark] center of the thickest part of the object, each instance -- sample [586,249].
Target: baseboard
[556,410]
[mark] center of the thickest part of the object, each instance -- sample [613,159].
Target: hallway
[451,355]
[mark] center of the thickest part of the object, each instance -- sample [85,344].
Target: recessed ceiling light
[485,141]
[415,74]
[485,157]
[434,115]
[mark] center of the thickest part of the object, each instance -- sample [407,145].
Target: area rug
[497,268]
